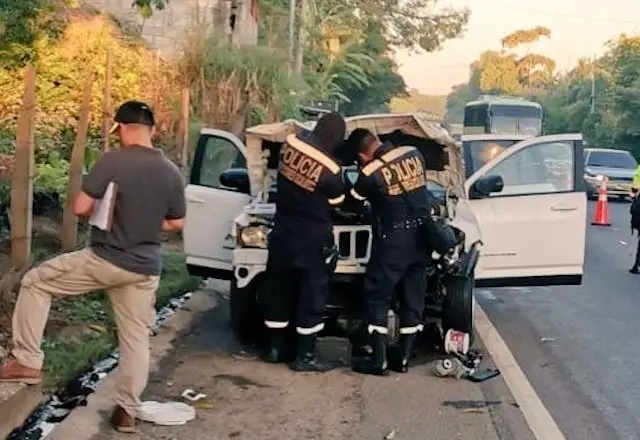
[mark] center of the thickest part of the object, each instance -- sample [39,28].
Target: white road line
[537,416]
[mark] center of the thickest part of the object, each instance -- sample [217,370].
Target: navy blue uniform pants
[298,285]
[398,265]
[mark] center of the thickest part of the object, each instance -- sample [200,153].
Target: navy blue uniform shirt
[383,180]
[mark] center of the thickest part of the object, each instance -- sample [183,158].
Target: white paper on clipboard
[102,217]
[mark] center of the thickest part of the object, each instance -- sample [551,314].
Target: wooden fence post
[106,102]
[23,175]
[69,231]
[184,126]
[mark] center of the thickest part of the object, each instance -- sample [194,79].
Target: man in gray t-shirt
[124,258]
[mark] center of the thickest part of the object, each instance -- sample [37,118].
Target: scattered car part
[191,395]
[456,342]
[464,366]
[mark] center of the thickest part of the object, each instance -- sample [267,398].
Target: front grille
[354,242]
[621,180]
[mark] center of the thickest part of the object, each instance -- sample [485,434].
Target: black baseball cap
[133,112]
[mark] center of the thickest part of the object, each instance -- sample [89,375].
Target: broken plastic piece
[191,395]
[482,375]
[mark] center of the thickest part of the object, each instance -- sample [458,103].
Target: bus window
[475,119]
[507,119]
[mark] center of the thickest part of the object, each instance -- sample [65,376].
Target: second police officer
[393,180]
[301,248]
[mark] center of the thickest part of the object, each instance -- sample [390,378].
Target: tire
[244,310]
[458,308]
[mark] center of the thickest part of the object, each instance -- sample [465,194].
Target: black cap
[134,112]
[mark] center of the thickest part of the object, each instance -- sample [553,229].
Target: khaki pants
[132,297]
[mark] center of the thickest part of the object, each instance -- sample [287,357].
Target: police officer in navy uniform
[301,249]
[400,254]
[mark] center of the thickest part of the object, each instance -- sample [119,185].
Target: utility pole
[593,85]
[302,33]
[292,33]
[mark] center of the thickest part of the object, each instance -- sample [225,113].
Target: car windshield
[611,159]
[478,153]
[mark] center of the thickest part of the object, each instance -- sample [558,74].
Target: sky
[579,28]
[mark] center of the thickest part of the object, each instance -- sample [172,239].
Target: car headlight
[253,236]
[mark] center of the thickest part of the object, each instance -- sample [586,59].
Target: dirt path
[254,401]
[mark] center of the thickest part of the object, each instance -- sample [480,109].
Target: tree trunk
[106,102]
[69,231]
[23,175]
[184,126]
[302,36]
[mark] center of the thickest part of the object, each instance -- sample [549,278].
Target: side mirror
[485,186]
[237,179]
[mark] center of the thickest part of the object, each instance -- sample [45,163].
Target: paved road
[579,346]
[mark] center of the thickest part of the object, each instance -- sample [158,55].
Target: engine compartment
[354,212]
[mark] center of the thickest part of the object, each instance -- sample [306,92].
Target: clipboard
[104,207]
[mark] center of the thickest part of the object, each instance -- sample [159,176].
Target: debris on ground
[464,366]
[166,413]
[191,395]
[391,435]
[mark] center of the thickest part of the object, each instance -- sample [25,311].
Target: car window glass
[537,169]
[219,155]
[481,152]
[611,159]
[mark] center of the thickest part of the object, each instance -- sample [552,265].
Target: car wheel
[458,308]
[244,310]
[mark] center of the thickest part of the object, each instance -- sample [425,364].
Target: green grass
[91,319]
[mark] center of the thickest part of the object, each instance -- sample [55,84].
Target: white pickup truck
[525,219]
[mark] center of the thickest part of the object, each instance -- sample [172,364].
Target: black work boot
[306,359]
[376,364]
[400,362]
[277,350]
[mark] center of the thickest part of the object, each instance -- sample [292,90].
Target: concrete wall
[166,29]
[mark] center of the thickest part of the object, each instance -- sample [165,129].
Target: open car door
[212,207]
[533,228]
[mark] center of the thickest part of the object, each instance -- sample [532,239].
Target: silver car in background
[614,167]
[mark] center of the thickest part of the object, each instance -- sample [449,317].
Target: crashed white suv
[524,215]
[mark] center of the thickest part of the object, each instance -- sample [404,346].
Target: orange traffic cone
[601,216]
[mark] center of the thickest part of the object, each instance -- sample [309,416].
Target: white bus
[503,115]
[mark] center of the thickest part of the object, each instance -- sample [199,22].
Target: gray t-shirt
[150,189]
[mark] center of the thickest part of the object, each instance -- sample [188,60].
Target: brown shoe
[13,371]
[122,421]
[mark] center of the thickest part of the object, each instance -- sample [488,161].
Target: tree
[533,69]
[416,101]
[417,25]
[460,95]
[384,81]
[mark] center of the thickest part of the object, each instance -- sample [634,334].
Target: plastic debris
[191,395]
[391,435]
[464,366]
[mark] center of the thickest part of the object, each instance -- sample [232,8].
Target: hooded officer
[301,247]
[393,180]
